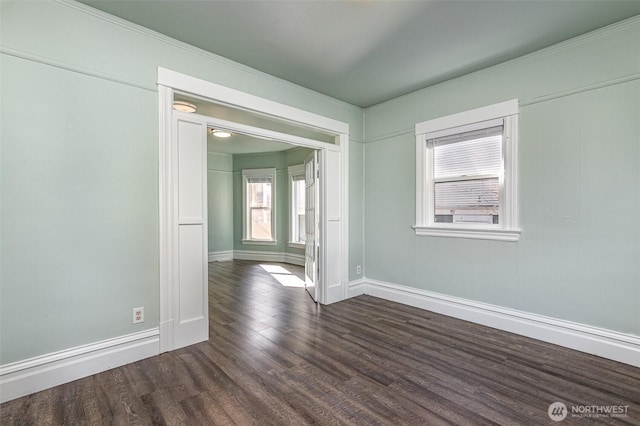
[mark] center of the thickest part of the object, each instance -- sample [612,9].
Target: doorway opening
[183,194]
[265,188]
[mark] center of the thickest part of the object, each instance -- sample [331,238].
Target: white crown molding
[42,372]
[609,344]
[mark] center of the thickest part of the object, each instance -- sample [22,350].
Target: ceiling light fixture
[184,106]
[220,133]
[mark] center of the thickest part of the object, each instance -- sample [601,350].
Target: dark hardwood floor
[276,358]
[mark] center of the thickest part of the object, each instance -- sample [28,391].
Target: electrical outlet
[138,315]
[358,269]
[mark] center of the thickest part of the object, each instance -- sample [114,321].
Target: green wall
[280,161]
[79,211]
[79,178]
[220,201]
[579,186]
[79,169]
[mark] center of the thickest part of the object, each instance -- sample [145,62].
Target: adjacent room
[319,212]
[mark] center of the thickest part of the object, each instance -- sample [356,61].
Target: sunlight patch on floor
[275,269]
[283,276]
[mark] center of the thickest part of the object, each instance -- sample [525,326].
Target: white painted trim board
[269,256]
[220,256]
[608,344]
[35,374]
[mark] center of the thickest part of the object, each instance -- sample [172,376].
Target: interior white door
[311,225]
[190,280]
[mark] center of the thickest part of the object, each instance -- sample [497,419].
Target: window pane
[299,189]
[300,229]
[468,157]
[475,200]
[260,194]
[261,223]
[298,211]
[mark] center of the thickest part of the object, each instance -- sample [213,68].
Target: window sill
[297,245]
[260,242]
[472,233]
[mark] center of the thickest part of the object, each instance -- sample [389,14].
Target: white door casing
[180,329]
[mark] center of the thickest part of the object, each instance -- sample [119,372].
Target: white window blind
[472,153]
[466,176]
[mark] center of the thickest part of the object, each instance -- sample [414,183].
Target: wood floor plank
[274,357]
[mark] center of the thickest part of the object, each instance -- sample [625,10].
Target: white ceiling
[365,52]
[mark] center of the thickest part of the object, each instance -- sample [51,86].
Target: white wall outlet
[138,315]
[358,269]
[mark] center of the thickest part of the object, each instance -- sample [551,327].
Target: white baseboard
[357,287]
[294,259]
[269,256]
[220,256]
[35,374]
[593,340]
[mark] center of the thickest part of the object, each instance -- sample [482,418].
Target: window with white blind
[258,201]
[466,174]
[297,191]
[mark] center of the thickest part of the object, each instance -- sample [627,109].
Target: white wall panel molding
[190,301]
[609,344]
[35,374]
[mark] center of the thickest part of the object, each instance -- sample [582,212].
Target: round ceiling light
[184,106]
[220,133]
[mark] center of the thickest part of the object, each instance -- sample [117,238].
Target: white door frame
[334,259]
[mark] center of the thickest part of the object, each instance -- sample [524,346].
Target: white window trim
[266,173]
[295,170]
[508,229]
